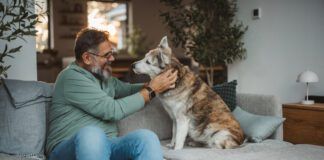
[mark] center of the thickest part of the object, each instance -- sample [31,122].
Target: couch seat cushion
[4,156]
[266,150]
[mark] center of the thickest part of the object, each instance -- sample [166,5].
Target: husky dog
[195,109]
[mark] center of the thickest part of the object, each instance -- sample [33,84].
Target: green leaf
[1,7]
[6,48]
[15,2]
[14,50]
[33,33]
[33,16]
[24,16]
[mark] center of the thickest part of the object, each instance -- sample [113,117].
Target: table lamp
[307,77]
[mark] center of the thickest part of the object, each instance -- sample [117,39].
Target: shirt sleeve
[88,96]
[123,89]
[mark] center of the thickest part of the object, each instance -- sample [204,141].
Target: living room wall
[23,66]
[288,39]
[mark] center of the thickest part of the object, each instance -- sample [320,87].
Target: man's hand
[164,81]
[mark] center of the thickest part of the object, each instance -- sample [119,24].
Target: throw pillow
[227,91]
[256,127]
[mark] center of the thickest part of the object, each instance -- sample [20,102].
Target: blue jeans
[91,143]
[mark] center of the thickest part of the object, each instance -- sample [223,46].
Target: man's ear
[86,58]
[164,43]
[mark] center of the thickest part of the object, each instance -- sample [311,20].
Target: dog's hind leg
[182,128]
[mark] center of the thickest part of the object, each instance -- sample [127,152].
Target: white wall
[23,66]
[288,39]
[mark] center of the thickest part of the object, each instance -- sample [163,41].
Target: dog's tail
[223,139]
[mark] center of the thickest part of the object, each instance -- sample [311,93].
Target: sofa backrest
[155,118]
[152,117]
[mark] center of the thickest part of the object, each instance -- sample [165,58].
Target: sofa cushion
[21,157]
[152,117]
[248,151]
[227,91]
[267,150]
[25,93]
[23,117]
[256,127]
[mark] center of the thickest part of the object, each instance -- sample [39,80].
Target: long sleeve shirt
[80,99]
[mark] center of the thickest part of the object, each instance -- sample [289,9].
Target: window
[42,40]
[109,16]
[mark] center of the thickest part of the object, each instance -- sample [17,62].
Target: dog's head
[155,61]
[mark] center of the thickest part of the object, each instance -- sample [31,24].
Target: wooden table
[304,123]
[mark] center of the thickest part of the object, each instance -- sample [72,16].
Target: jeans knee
[147,137]
[91,132]
[148,145]
[91,136]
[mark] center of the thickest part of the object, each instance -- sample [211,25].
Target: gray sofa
[23,127]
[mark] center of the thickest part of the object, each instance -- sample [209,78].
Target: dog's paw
[195,144]
[170,145]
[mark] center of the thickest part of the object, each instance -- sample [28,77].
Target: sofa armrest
[260,104]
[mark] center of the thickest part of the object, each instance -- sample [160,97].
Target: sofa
[23,110]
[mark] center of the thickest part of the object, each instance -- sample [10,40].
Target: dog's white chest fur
[176,105]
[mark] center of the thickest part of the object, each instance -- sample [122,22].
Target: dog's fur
[196,110]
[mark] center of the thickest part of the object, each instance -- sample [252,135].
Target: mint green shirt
[79,100]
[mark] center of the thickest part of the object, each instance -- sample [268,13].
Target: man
[87,102]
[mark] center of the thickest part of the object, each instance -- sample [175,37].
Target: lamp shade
[307,77]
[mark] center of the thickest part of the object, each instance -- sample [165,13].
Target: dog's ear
[164,43]
[163,60]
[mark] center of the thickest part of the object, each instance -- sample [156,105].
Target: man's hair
[88,39]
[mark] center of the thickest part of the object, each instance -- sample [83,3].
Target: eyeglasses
[110,53]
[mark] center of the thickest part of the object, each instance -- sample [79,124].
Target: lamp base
[307,102]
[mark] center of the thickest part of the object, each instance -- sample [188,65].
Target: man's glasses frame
[110,53]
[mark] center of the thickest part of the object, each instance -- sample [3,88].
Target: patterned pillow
[227,91]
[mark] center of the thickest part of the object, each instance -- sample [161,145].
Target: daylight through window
[111,17]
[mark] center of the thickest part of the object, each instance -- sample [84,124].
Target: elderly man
[88,101]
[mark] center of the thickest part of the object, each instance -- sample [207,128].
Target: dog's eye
[148,62]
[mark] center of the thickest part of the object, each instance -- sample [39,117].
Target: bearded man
[88,101]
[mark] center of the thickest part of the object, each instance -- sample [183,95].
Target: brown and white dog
[195,109]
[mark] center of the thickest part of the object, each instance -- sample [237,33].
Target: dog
[196,110]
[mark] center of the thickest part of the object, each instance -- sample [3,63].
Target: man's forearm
[145,93]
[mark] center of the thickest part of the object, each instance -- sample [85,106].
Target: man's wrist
[151,92]
[146,84]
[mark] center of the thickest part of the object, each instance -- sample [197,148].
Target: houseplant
[18,20]
[137,43]
[206,30]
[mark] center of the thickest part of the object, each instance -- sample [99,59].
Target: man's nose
[111,58]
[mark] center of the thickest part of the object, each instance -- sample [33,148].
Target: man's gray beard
[103,74]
